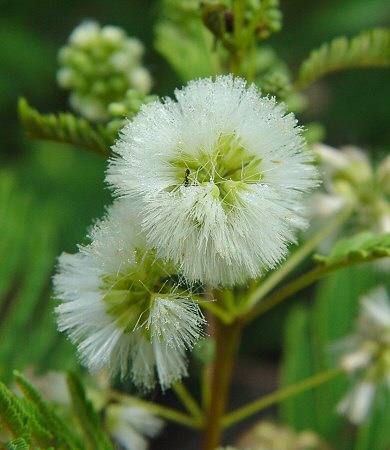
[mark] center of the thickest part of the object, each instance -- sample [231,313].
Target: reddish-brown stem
[227,339]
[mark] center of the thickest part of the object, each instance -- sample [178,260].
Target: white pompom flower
[120,307]
[219,175]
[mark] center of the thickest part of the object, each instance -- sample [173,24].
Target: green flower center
[229,167]
[129,294]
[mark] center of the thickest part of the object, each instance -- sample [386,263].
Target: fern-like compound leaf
[361,248]
[368,49]
[11,415]
[53,424]
[87,417]
[65,128]
[18,444]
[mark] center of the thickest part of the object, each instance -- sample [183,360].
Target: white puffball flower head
[119,306]
[219,175]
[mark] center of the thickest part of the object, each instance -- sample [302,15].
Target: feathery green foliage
[11,416]
[368,49]
[18,444]
[22,419]
[65,128]
[88,419]
[31,422]
[46,416]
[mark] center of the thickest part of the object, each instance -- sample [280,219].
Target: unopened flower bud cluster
[121,111]
[98,66]
[272,16]
[351,179]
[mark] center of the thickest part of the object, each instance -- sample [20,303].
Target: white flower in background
[349,178]
[357,403]
[218,176]
[132,426]
[367,356]
[119,305]
[98,66]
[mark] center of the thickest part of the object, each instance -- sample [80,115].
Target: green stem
[250,75]
[299,283]
[208,367]
[187,400]
[213,57]
[159,410]
[227,338]
[296,258]
[278,396]
[238,14]
[236,53]
[228,300]
[214,308]
[206,388]
[252,27]
[225,299]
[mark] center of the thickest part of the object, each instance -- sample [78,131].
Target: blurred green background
[51,193]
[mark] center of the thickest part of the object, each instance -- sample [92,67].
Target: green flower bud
[99,65]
